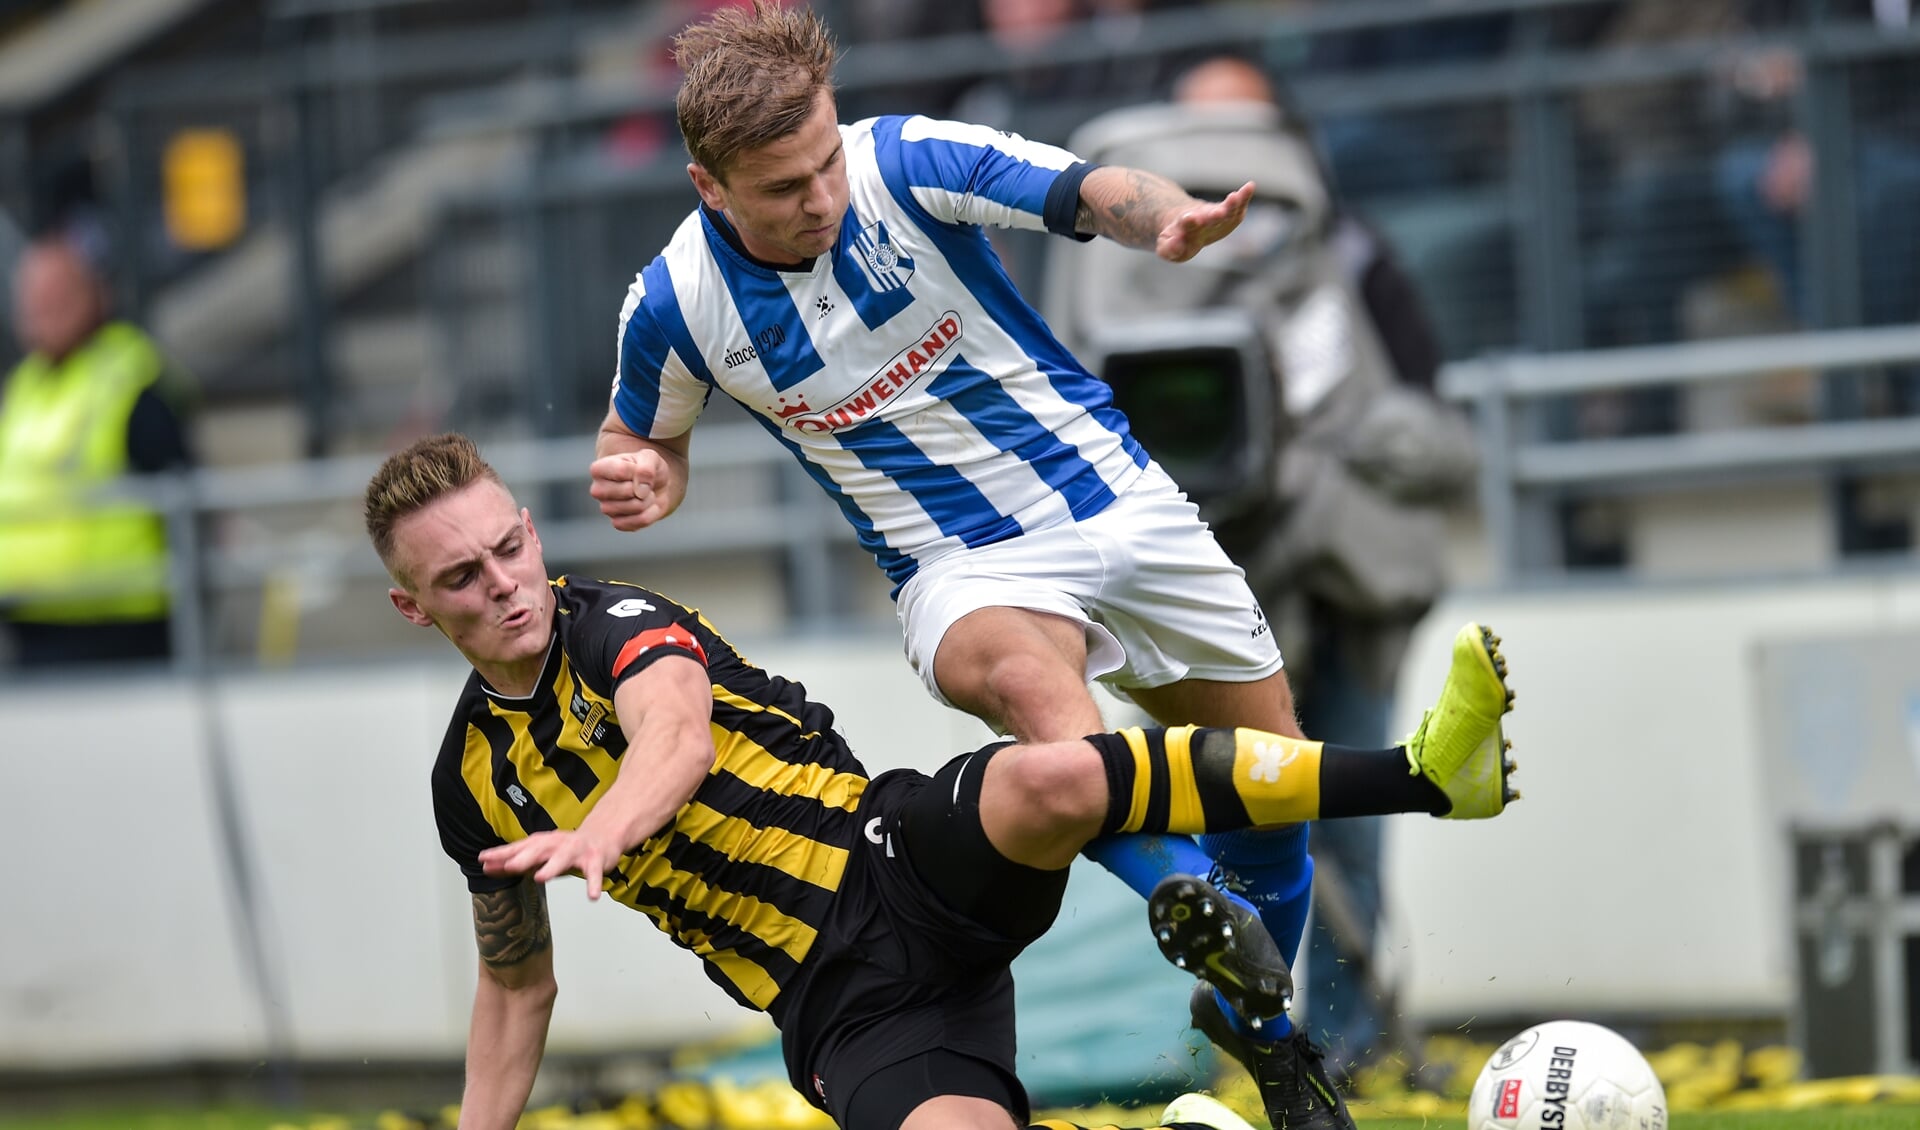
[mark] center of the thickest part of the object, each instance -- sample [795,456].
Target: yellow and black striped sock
[1190,779]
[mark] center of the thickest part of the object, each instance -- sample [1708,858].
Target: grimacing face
[471,566]
[786,199]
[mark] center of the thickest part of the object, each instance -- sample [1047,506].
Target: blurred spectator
[1345,678]
[878,22]
[1766,181]
[1044,98]
[81,580]
[1706,175]
[1656,228]
[1384,153]
[636,139]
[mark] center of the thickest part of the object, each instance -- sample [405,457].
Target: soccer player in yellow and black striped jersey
[609,732]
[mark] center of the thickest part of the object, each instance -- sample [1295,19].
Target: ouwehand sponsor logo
[902,372]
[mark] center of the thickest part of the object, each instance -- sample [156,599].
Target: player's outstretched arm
[512,1003]
[1151,213]
[637,481]
[666,712]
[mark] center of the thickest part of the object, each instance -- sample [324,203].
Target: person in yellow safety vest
[81,578]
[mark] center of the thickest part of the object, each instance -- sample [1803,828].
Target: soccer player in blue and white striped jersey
[838,283]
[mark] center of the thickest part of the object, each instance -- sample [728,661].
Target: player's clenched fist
[632,488]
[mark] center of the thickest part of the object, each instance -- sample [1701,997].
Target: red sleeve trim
[646,641]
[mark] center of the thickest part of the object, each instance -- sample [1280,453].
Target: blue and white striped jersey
[903,369]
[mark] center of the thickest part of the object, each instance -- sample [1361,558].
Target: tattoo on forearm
[511,925]
[1132,212]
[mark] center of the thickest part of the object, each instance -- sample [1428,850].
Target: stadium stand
[445,202]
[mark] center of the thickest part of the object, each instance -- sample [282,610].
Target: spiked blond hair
[410,480]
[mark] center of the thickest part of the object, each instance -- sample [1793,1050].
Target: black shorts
[897,972]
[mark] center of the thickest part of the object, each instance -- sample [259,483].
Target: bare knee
[958,1112]
[1060,786]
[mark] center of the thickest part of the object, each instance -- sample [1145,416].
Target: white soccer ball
[1567,1075]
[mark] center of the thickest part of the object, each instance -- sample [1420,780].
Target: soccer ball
[1567,1075]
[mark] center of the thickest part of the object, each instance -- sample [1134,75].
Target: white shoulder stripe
[1033,153]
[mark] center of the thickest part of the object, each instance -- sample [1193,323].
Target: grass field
[1828,1118]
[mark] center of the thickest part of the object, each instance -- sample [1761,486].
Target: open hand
[1202,224]
[549,855]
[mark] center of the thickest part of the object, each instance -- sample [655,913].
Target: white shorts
[1159,599]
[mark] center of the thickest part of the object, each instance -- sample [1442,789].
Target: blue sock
[1275,874]
[1141,861]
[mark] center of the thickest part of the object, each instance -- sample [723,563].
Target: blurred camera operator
[1342,532]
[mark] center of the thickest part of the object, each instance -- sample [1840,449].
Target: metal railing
[780,514]
[1523,472]
[1518,285]
[748,497]
[1522,288]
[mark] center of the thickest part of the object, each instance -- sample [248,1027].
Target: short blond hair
[753,76]
[426,471]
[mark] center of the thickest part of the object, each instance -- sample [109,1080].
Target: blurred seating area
[353,222]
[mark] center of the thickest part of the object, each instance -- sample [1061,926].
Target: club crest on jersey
[903,371]
[886,265]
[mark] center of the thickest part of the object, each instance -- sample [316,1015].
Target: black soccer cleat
[1289,1072]
[1221,941]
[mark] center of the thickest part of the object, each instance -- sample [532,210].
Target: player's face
[786,198]
[474,570]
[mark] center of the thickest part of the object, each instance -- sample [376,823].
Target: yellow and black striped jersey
[745,873]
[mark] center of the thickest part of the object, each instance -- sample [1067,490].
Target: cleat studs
[1164,934]
[1180,961]
[1506,743]
[1206,908]
[1226,931]
[1509,766]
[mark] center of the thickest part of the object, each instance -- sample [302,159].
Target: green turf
[235,1118]
[144,1118]
[1828,1118]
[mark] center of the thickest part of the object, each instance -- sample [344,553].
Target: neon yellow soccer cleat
[1459,745]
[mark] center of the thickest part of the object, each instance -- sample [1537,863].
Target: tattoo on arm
[1131,211]
[511,925]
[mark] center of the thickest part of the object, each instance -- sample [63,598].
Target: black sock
[1357,782]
